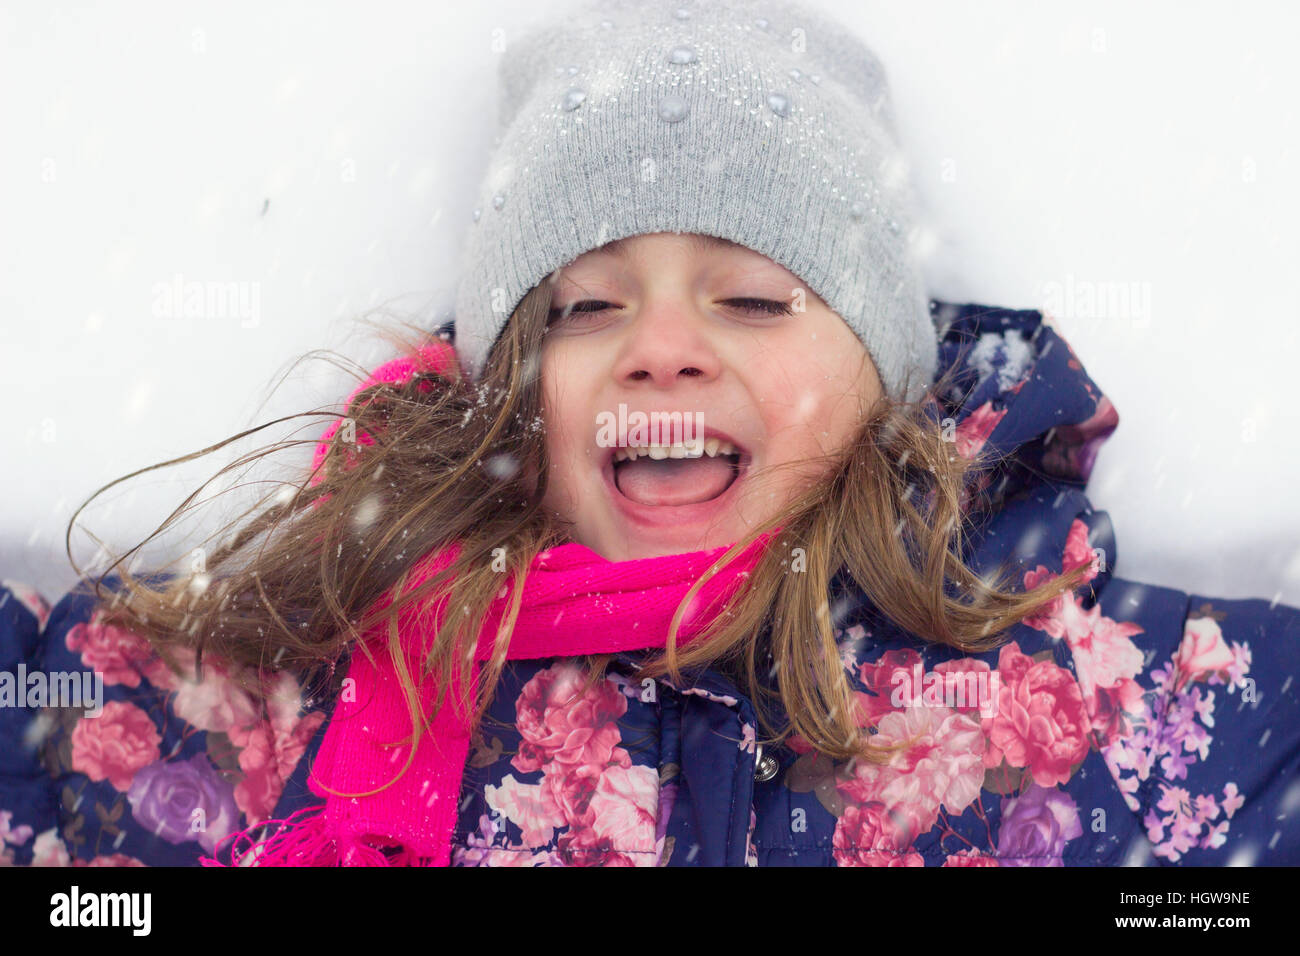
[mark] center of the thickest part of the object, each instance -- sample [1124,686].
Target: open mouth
[686,473]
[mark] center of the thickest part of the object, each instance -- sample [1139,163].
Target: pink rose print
[157,672]
[272,748]
[970,857]
[49,850]
[618,825]
[1054,618]
[530,807]
[1078,553]
[572,793]
[943,767]
[965,680]
[1202,652]
[868,835]
[605,805]
[892,671]
[976,428]
[1104,654]
[1105,658]
[118,654]
[1040,723]
[115,745]
[623,806]
[31,599]
[560,723]
[1106,661]
[1113,709]
[217,704]
[268,759]
[585,847]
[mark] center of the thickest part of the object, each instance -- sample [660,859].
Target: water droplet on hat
[571,69]
[607,24]
[796,75]
[477,213]
[673,109]
[761,23]
[681,54]
[498,201]
[573,98]
[681,13]
[857,211]
[815,77]
[894,226]
[780,103]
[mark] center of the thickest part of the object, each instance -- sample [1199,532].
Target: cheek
[562,492]
[838,383]
[564,437]
[811,415]
[553,373]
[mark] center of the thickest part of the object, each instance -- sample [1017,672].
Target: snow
[320,160]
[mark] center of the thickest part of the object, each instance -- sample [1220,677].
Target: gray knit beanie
[759,121]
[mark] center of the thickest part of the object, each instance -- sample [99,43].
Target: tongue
[673,481]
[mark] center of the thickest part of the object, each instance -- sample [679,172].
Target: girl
[863,615]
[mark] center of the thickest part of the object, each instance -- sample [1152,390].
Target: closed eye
[768,306]
[763,306]
[586,306]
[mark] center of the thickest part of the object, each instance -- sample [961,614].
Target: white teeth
[712,447]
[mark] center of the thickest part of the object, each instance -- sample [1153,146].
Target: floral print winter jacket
[1125,724]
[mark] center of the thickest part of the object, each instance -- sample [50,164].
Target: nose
[666,343]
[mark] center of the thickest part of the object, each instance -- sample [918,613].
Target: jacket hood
[1020,395]
[1020,388]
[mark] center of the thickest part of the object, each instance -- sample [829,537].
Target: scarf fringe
[304,838]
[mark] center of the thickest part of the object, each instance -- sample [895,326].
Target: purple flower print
[184,800]
[1036,825]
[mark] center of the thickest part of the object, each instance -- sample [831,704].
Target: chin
[631,544]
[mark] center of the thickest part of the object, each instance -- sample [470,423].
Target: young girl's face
[671,322]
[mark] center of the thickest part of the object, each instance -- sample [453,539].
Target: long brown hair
[297,583]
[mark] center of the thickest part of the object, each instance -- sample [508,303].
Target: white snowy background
[324,156]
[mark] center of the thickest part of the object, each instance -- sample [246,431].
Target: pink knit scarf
[575,602]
